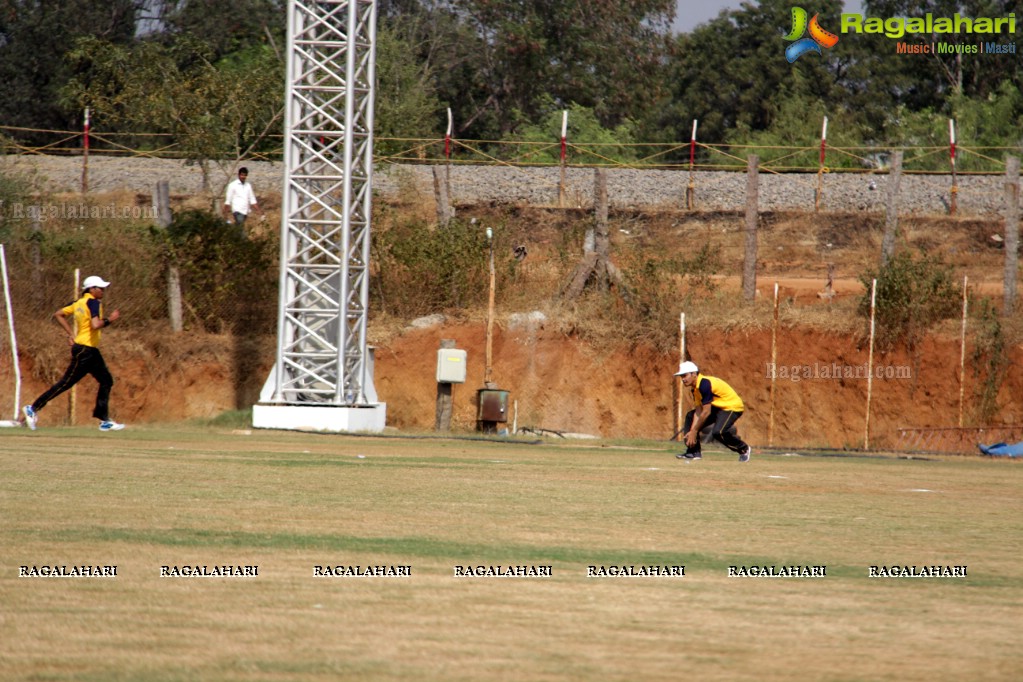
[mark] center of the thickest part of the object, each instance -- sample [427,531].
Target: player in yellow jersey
[87,313]
[717,409]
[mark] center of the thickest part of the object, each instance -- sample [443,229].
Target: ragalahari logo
[818,36]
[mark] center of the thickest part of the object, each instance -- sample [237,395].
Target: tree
[946,74]
[913,294]
[212,110]
[33,39]
[496,59]
[584,128]
[796,122]
[731,73]
[226,26]
[406,103]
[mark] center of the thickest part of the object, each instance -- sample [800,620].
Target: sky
[691,13]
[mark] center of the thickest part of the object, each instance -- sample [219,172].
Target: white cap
[687,367]
[94,281]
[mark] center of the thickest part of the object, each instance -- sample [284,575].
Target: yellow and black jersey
[713,391]
[84,309]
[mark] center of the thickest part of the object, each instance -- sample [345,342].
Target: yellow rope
[526,153]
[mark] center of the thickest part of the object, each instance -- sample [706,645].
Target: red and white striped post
[447,138]
[85,152]
[953,198]
[821,167]
[691,188]
[447,150]
[564,155]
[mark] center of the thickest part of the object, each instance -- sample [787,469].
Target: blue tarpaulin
[1003,449]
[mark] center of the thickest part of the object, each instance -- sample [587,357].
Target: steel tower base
[367,417]
[329,418]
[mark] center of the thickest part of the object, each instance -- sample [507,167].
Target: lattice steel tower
[323,360]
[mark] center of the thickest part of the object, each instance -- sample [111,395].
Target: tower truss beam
[322,354]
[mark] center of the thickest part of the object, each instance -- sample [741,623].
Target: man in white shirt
[240,199]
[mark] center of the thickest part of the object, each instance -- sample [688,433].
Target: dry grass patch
[288,502]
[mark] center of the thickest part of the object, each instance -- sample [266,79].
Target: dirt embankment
[558,383]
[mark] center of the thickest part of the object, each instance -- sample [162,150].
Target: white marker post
[774,368]
[681,388]
[962,353]
[488,372]
[14,341]
[870,364]
[73,391]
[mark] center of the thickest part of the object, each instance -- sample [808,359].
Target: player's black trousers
[84,360]
[719,426]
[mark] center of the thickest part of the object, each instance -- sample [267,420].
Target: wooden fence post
[161,204]
[891,218]
[601,235]
[749,270]
[442,196]
[37,262]
[1011,234]
[85,152]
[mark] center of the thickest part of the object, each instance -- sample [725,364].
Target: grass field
[286,502]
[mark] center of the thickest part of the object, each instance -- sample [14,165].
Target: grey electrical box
[450,366]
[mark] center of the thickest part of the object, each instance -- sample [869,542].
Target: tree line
[211,74]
